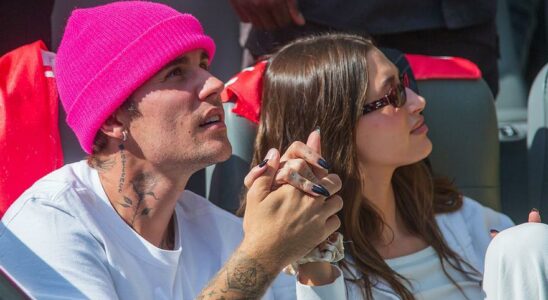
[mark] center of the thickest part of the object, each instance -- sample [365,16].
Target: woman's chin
[424,150]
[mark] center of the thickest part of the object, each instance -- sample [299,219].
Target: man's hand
[301,166]
[280,227]
[286,224]
[268,14]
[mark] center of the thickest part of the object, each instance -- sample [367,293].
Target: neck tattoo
[143,188]
[123,174]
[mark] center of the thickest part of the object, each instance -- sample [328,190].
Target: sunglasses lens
[402,95]
[398,96]
[404,79]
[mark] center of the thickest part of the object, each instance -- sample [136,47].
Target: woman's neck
[377,189]
[395,238]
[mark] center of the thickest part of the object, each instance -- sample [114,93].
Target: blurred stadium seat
[537,141]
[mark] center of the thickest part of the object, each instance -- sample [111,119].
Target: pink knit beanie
[108,51]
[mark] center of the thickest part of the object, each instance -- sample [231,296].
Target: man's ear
[113,127]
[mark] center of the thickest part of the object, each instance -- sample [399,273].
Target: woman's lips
[422,128]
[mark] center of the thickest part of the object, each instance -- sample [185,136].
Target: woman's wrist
[317,273]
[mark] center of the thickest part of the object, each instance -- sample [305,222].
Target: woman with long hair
[408,235]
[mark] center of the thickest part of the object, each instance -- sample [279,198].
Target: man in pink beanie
[133,78]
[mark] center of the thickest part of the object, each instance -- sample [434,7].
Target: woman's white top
[427,279]
[466,232]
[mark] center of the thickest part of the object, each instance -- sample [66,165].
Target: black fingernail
[263,163]
[493,231]
[318,189]
[534,210]
[323,163]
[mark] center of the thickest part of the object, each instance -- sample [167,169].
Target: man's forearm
[242,277]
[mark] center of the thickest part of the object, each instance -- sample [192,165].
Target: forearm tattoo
[241,278]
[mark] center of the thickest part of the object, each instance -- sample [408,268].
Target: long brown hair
[322,81]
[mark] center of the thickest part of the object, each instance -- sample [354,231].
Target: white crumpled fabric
[332,250]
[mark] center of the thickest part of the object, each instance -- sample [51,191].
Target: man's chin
[223,154]
[227,153]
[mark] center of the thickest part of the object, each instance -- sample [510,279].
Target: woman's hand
[302,167]
[534,217]
[317,273]
[286,224]
[320,273]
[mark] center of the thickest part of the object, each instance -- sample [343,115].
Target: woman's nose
[415,102]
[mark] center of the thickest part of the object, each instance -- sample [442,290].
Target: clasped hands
[292,209]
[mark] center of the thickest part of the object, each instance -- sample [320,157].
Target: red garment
[442,67]
[30,145]
[246,87]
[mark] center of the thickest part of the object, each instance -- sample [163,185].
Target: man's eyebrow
[177,61]
[204,56]
[183,60]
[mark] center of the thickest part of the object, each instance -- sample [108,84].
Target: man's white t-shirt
[62,238]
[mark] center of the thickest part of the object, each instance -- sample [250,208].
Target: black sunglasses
[396,97]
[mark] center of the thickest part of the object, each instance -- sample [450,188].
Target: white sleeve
[52,255]
[490,218]
[333,291]
[479,220]
[516,263]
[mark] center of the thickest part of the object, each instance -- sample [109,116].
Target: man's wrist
[243,277]
[269,261]
[249,274]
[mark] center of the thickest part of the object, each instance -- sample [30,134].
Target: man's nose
[211,88]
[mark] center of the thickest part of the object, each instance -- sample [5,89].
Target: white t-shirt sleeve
[282,288]
[51,253]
